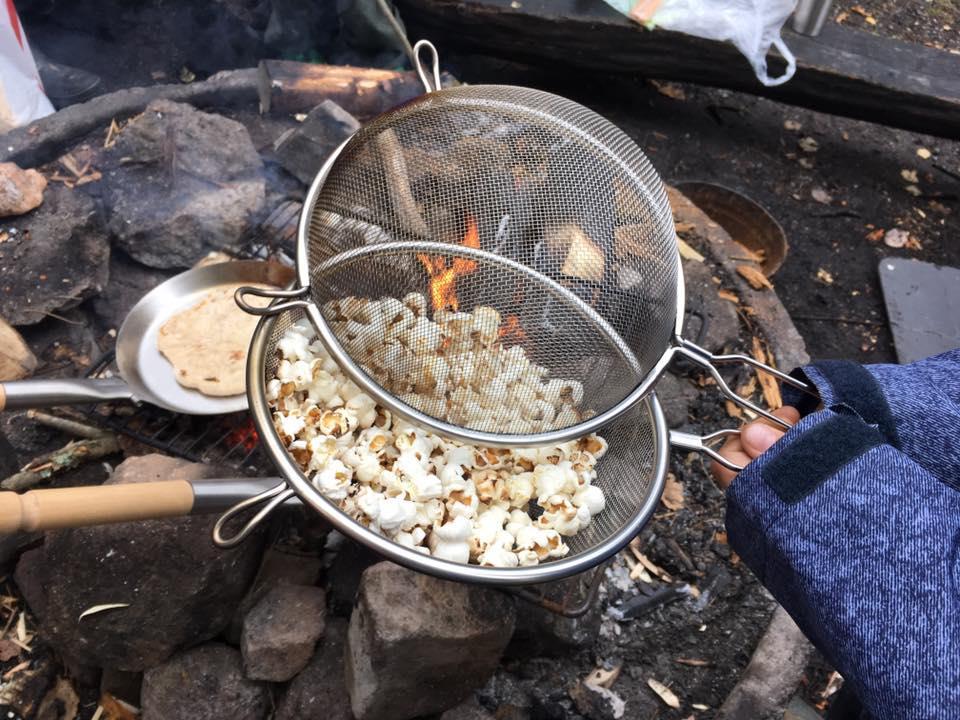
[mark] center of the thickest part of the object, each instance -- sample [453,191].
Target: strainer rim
[294,477]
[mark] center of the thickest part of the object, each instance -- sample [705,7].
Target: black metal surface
[228,441]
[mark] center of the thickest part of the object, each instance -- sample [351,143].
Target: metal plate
[923,306]
[148,373]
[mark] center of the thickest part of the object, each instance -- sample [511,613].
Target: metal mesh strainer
[553,217]
[631,475]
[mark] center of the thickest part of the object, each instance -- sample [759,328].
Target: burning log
[286,86]
[395,169]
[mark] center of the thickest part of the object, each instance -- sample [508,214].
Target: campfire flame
[511,331]
[246,436]
[443,279]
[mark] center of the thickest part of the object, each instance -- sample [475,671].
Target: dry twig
[70,456]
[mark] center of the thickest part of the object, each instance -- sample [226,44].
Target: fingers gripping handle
[704,444]
[707,360]
[96,505]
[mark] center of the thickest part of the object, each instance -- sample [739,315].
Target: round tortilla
[208,343]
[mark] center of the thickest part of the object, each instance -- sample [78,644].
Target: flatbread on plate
[208,343]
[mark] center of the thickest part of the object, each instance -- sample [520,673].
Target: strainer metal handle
[430,82]
[708,360]
[273,498]
[704,444]
[273,294]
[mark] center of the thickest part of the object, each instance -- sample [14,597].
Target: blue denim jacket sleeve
[853,524]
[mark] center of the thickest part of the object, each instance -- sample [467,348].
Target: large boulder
[318,692]
[20,190]
[180,183]
[204,683]
[53,258]
[280,632]
[180,587]
[418,645]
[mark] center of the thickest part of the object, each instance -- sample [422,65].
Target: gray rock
[351,560]
[54,258]
[469,709]
[302,150]
[129,281]
[277,566]
[543,633]
[723,325]
[280,632]
[182,589]
[318,692]
[418,645]
[181,183]
[675,395]
[205,683]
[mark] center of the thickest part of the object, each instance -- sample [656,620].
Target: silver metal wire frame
[312,497]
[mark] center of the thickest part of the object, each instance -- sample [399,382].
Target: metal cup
[810,15]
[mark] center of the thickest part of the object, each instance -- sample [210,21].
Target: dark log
[289,87]
[842,71]
[773,673]
[47,138]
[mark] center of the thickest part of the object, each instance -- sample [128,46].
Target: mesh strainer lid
[571,225]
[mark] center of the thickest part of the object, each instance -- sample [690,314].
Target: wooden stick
[286,86]
[66,425]
[77,507]
[70,456]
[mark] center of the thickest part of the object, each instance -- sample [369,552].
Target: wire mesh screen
[625,472]
[525,175]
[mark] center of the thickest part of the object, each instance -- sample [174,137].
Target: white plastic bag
[21,94]
[752,25]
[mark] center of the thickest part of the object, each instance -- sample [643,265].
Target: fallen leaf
[821,195]
[913,190]
[693,662]
[603,678]
[840,18]
[858,9]
[114,709]
[671,90]
[700,706]
[923,153]
[909,175]
[100,608]
[687,252]
[896,238]
[733,410]
[875,236]
[22,627]
[805,163]
[757,280]
[15,669]
[825,277]
[871,20]
[768,383]
[720,536]
[665,693]
[913,243]
[808,144]
[8,650]
[728,295]
[793,125]
[672,497]
[834,683]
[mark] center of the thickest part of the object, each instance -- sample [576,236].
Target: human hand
[755,438]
